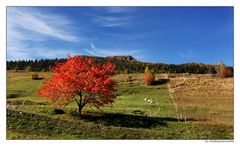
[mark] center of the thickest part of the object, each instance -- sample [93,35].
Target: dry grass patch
[203,98]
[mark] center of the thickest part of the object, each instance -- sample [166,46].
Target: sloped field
[129,117]
[203,98]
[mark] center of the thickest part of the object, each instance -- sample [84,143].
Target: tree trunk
[80,104]
[80,110]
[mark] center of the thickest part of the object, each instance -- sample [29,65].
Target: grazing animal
[149,101]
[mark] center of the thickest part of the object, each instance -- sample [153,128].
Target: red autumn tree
[81,80]
[223,71]
[228,72]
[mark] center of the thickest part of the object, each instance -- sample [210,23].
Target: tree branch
[76,100]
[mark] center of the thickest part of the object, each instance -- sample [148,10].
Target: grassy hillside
[129,117]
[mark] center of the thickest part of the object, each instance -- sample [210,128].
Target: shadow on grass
[15,93]
[160,81]
[109,119]
[123,120]
[38,78]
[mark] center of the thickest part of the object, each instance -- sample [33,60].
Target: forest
[124,64]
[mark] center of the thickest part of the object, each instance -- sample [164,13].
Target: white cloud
[43,53]
[28,29]
[112,21]
[116,9]
[52,53]
[33,22]
[126,36]
[18,51]
[113,52]
[121,9]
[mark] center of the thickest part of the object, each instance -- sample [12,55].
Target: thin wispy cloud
[128,37]
[61,53]
[27,28]
[120,9]
[113,52]
[113,16]
[18,50]
[116,9]
[31,20]
[26,52]
[146,33]
[111,21]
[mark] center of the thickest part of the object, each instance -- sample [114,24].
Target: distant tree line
[123,65]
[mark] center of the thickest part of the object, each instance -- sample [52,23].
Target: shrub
[34,76]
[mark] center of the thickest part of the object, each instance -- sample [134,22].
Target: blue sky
[152,34]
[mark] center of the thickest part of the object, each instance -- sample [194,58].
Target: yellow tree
[148,77]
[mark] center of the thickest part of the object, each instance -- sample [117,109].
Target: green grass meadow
[129,117]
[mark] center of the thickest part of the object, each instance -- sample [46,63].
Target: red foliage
[82,80]
[228,72]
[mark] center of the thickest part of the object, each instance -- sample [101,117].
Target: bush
[34,76]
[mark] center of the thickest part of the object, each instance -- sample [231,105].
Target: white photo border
[5,3]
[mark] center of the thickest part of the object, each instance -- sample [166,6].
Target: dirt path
[173,100]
